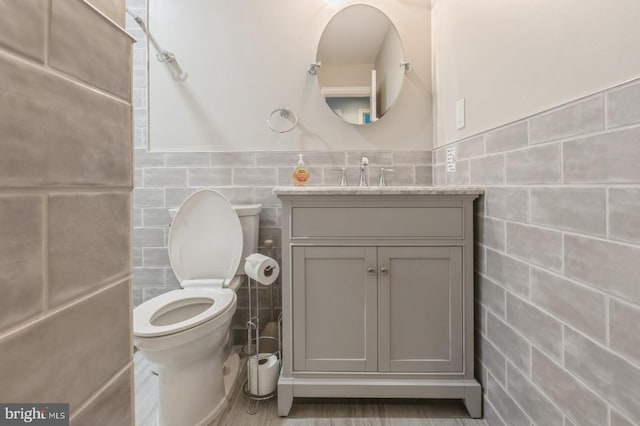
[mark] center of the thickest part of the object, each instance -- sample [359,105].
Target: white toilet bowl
[183,332]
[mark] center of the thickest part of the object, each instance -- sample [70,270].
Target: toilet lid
[205,238]
[179,310]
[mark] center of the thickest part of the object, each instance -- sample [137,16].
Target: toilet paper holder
[253,350]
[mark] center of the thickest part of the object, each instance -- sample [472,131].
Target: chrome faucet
[364,171]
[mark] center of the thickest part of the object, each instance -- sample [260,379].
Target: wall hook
[407,66]
[312,68]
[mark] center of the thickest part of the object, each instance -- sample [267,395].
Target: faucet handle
[383,181]
[343,178]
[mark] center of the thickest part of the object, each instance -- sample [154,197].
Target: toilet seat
[162,315]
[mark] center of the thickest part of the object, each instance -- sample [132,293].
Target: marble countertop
[378,190]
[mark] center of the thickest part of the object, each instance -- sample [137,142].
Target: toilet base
[171,410]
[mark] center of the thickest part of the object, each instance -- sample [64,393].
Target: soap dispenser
[300,174]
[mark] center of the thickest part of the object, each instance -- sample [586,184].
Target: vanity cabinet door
[420,309]
[334,309]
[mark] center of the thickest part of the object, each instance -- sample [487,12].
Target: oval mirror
[361,67]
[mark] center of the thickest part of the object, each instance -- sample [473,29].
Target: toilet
[185,332]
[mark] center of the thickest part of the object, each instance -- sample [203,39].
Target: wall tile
[151,292]
[270,216]
[412,158]
[574,399]
[579,306]
[143,158]
[400,176]
[114,9]
[240,195]
[156,216]
[507,138]
[88,242]
[535,325]
[148,197]
[228,159]
[145,277]
[148,237]
[156,256]
[164,177]
[439,175]
[610,267]
[534,403]
[541,164]
[267,198]
[622,106]
[487,170]
[137,217]
[505,406]
[605,158]
[55,351]
[440,155]
[507,203]
[576,119]
[623,329]
[491,232]
[22,25]
[576,209]
[614,378]
[469,148]
[187,159]
[509,342]
[276,158]
[491,416]
[88,135]
[491,295]
[106,50]
[462,174]
[492,359]
[112,407]
[322,158]
[137,257]
[536,245]
[624,220]
[424,175]
[20,258]
[618,419]
[255,176]
[204,177]
[505,270]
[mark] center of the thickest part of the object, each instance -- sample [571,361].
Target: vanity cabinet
[377,294]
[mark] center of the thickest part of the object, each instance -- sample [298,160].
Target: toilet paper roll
[261,268]
[263,370]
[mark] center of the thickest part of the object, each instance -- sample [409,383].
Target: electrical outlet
[451,159]
[460,114]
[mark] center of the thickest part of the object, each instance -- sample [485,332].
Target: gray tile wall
[164,180]
[65,208]
[558,269]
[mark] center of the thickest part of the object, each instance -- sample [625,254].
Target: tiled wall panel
[65,197]
[558,261]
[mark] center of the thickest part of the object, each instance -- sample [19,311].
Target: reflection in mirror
[361,64]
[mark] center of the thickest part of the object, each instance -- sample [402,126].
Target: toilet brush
[270,331]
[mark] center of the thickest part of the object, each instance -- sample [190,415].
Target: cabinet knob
[371,271]
[384,270]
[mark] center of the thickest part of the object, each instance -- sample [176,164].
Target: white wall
[511,59]
[246,58]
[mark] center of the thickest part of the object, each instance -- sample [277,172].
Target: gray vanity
[377,293]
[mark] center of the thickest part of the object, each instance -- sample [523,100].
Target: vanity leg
[285,398]
[473,401]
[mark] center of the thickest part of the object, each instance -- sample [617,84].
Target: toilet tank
[249,215]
